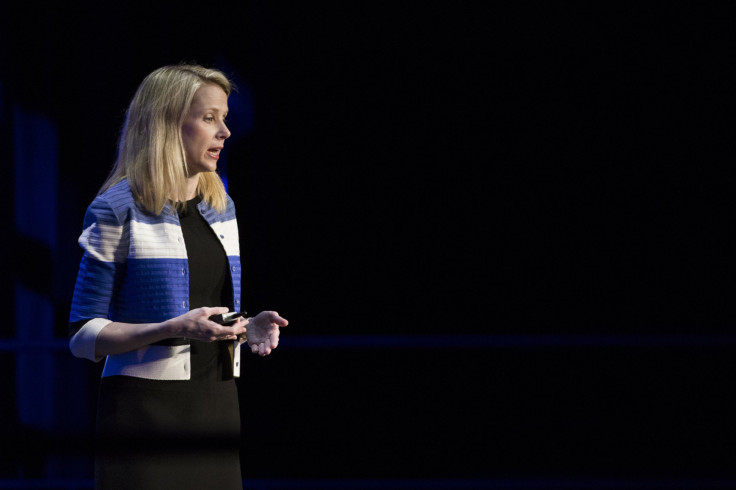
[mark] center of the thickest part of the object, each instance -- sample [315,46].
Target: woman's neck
[192,183]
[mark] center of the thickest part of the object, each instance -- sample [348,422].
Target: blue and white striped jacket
[135,270]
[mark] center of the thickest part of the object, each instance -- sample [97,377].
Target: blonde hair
[150,150]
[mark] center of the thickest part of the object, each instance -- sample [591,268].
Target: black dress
[154,434]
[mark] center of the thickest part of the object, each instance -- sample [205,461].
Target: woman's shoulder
[229,212]
[116,203]
[118,195]
[229,203]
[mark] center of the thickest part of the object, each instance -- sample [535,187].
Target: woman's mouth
[214,153]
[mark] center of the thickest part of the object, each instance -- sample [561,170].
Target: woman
[161,257]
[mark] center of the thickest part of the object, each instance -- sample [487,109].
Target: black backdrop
[502,236]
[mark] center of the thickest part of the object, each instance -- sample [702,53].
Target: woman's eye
[209,118]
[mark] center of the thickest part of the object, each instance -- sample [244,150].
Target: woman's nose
[224,132]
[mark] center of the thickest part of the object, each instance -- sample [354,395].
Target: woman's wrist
[169,329]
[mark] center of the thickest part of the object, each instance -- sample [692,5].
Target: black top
[209,285]
[209,278]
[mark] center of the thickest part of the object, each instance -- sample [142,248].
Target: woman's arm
[117,338]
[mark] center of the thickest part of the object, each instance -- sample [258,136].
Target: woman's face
[204,132]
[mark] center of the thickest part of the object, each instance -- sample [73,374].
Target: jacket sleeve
[104,240]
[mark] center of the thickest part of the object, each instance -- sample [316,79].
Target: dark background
[502,235]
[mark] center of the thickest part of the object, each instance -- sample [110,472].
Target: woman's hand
[116,337]
[263,332]
[196,325]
